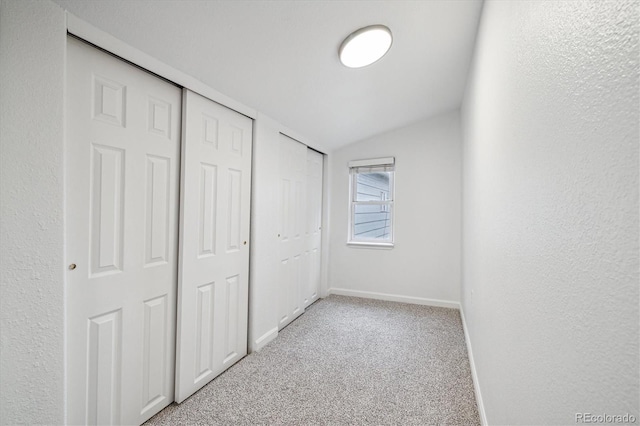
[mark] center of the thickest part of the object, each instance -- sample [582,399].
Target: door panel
[204,359]
[157,209]
[121,189]
[107,195]
[214,263]
[104,369]
[156,352]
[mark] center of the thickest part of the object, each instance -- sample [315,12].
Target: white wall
[550,258]
[424,265]
[32,46]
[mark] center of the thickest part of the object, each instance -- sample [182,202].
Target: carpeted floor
[346,361]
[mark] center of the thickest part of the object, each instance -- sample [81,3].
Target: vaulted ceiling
[281,57]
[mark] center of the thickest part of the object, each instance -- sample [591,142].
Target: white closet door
[313,233]
[121,188]
[214,263]
[292,216]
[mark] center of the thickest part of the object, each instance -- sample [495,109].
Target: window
[371,201]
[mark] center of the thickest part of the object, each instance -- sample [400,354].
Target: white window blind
[371,169]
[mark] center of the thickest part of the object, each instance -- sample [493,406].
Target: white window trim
[364,243]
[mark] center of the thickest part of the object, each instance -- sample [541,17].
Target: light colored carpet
[346,361]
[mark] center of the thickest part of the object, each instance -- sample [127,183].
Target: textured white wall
[32,46]
[425,262]
[550,250]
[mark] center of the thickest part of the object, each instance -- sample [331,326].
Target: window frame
[389,204]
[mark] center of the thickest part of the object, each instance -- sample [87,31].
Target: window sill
[362,244]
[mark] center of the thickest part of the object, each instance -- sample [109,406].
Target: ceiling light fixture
[365,46]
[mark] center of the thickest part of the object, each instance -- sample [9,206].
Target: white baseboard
[474,374]
[263,340]
[395,298]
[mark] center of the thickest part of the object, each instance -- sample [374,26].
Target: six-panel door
[121,186]
[214,235]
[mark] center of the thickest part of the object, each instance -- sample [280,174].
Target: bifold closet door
[313,234]
[214,236]
[121,187]
[292,216]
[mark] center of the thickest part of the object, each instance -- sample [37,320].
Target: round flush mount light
[365,46]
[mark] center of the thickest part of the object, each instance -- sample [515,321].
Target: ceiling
[281,57]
